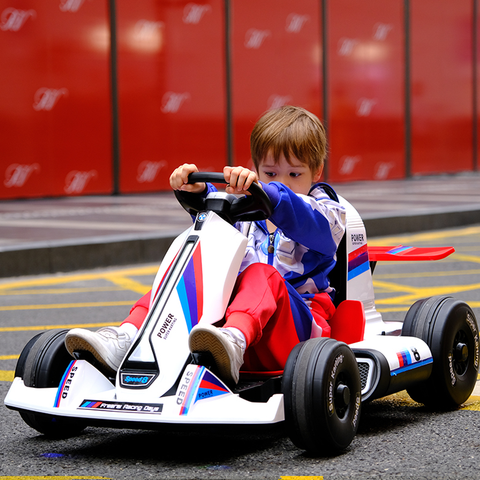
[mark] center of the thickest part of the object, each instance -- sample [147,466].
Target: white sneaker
[227,352]
[108,345]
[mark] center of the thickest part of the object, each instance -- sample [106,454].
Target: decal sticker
[65,383]
[331,385]
[356,415]
[190,289]
[198,385]
[358,262]
[137,380]
[166,327]
[406,362]
[128,407]
[453,377]
[399,249]
[473,327]
[404,358]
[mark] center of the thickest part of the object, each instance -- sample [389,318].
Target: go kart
[433,354]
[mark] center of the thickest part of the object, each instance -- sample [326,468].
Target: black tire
[20,366]
[449,328]
[43,366]
[322,395]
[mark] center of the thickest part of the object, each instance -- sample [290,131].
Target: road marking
[9,357]
[128,284]
[416,293]
[7,376]
[467,258]
[53,327]
[58,280]
[52,477]
[452,273]
[424,237]
[297,477]
[66,305]
[59,291]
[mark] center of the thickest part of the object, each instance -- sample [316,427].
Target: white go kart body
[160,382]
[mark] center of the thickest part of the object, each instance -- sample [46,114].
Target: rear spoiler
[402,253]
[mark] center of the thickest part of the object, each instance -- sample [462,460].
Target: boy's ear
[317,175]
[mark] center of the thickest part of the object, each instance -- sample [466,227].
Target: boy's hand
[179,179]
[239,179]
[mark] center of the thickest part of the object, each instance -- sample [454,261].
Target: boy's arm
[315,222]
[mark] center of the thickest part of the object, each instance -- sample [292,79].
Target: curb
[99,252]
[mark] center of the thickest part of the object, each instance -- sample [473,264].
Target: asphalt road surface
[397,437]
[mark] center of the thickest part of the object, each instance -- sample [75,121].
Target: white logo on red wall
[46,98]
[295,22]
[254,38]
[17,174]
[346,46]
[75,181]
[147,29]
[381,31]
[193,13]
[382,170]
[70,5]
[365,106]
[148,171]
[12,19]
[277,101]
[348,163]
[172,101]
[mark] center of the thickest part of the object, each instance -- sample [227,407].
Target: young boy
[282,295]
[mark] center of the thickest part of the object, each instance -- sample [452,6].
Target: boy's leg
[109,345]
[272,317]
[261,310]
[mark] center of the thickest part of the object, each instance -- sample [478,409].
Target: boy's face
[297,177]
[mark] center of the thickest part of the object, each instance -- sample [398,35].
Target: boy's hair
[292,131]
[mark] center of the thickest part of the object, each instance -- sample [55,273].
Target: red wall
[171,78]
[366,90]
[276,60]
[54,98]
[442,98]
[176,88]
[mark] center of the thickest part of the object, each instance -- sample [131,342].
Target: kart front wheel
[449,328]
[42,364]
[322,394]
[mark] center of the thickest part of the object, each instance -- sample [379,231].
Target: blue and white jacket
[309,230]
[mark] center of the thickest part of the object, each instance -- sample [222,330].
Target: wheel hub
[342,395]
[461,352]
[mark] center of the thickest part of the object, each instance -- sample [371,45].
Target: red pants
[272,316]
[261,309]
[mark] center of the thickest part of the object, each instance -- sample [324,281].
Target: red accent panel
[366,72]
[171,89]
[348,322]
[276,52]
[55,98]
[441,68]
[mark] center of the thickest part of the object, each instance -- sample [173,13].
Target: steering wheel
[231,208]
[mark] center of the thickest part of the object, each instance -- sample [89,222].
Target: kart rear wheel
[322,394]
[449,328]
[43,366]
